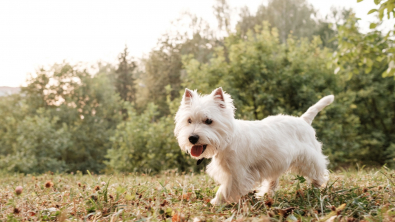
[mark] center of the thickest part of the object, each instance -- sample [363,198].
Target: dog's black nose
[193,139]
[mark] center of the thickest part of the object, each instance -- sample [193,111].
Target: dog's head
[204,123]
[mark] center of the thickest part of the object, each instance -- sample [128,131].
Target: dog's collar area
[201,160]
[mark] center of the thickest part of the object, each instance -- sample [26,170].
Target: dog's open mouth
[198,150]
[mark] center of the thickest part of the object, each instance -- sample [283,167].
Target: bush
[61,121]
[39,146]
[142,144]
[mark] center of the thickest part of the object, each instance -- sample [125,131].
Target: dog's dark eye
[189,120]
[208,121]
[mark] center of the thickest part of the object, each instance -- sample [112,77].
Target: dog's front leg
[219,196]
[226,192]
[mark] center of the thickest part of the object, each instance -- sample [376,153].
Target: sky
[43,32]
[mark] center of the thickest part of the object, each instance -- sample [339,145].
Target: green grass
[348,196]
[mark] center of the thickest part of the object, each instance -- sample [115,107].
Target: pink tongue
[197,150]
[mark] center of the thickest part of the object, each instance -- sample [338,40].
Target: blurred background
[94,85]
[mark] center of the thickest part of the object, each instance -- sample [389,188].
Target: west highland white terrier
[248,155]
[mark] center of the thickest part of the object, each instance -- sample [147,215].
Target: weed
[171,196]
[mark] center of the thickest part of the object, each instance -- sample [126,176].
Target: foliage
[142,144]
[30,144]
[67,116]
[294,17]
[171,196]
[386,7]
[164,66]
[327,29]
[357,50]
[361,59]
[373,100]
[12,111]
[124,77]
[39,146]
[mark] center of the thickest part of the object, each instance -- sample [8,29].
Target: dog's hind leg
[267,187]
[314,168]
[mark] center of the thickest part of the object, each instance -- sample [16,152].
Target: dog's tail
[313,110]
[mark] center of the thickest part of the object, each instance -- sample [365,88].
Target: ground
[172,196]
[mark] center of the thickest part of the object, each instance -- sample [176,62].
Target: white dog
[248,154]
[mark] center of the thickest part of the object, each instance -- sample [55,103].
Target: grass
[348,196]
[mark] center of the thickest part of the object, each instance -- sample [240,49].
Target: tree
[358,50]
[288,16]
[141,145]
[327,28]
[13,110]
[39,147]
[164,68]
[361,51]
[124,77]
[80,111]
[360,58]
[223,12]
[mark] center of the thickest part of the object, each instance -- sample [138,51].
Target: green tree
[358,50]
[327,28]
[360,58]
[223,13]
[164,67]
[288,16]
[13,110]
[78,104]
[294,17]
[124,77]
[39,146]
[141,144]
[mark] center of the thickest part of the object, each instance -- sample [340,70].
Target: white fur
[250,154]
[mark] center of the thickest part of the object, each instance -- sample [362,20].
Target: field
[172,196]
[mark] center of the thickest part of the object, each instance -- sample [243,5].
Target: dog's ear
[219,96]
[187,96]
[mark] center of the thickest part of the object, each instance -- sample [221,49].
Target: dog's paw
[215,201]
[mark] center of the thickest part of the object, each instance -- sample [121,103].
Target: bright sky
[42,32]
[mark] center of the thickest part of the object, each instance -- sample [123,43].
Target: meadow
[350,195]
